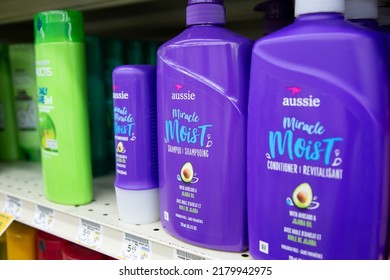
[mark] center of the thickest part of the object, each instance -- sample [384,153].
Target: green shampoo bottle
[63,107]
[22,62]
[8,132]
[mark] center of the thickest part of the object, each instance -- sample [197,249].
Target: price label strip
[90,234]
[181,255]
[13,206]
[44,218]
[5,221]
[135,248]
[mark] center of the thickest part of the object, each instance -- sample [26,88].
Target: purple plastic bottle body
[202,81]
[368,23]
[318,135]
[373,25]
[135,127]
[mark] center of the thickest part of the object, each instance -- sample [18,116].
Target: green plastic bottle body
[96,106]
[134,52]
[152,48]
[63,121]
[113,56]
[22,62]
[9,150]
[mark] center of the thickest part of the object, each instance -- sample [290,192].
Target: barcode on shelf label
[181,255]
[90,234]
[135,248]
[13,206]
[43,217]
[5,221]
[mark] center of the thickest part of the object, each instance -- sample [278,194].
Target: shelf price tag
[181,255]
[13,206]
[90,234]
[5,221]
[135,248]
[43,217]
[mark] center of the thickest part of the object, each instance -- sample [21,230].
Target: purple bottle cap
[191,2]
[205,12]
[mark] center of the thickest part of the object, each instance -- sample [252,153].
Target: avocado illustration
[302,195]
[187,172]
[120,147]
[47,129]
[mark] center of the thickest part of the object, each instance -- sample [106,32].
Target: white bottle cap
[318,6]
[138,206]
[361,9]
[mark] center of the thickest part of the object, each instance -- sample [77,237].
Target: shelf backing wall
[130,19]
[125,19]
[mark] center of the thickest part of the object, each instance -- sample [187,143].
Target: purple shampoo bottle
[318,135]
[365,13]
[202,88]
[136,183]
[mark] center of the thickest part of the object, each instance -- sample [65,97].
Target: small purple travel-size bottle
[136,184]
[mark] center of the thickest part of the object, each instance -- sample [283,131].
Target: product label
[307,148]
[181,255]
[300,163]
[44,218]
[13,206]
[90,234]
[311,147]
[187,128]
[135,248]
[26,113]
[124,129]
[46,106]
[199,128]
[26,107]
[135,132]
[189,135]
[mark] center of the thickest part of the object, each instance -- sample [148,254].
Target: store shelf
[21,188]
[21,194]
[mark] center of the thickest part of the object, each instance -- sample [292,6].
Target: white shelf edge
[23,181]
